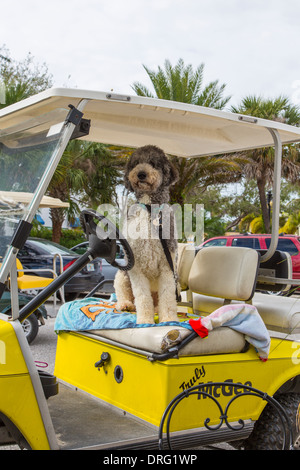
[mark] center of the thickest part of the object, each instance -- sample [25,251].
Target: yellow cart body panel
[143,388]
[18,401]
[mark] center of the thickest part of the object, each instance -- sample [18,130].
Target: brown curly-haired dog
[149,175]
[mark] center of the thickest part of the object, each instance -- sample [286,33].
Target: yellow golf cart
[164,385]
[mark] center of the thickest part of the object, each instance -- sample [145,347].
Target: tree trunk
[57,217]
[261,184]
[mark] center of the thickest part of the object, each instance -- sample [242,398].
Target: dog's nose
[142,175]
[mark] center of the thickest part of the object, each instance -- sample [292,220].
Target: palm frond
[182,83]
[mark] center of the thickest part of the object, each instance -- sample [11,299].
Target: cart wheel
[31,327]
[267,433]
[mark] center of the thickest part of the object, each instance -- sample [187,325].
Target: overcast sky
[251,45]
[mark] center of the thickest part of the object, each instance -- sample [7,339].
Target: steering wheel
[103,243]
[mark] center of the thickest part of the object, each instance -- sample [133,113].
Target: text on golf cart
[216,390]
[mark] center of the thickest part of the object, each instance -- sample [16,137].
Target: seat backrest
[186,256]
[225,272]
[19,268]
[280,266]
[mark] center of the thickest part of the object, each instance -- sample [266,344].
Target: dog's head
[148,171]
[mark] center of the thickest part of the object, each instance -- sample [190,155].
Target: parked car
[31,324]
[108,270]
[39,253]
[287,243]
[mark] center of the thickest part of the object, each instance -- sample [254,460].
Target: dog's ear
[173,174]
[127,183]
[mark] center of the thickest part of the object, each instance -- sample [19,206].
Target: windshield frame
[8,267]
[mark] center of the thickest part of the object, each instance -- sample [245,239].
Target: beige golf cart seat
[186,256]
[279,313]
[279,266]
[226,274]
[221,272]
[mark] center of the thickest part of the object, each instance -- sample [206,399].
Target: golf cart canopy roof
[14,198]
[132,121]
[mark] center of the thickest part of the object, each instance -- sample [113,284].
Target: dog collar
[152,207]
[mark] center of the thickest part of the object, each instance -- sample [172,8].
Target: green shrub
[72,237]
[69,238]
[41,232]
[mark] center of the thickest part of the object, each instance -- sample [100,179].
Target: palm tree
[197,174]
[182,83]
[66,178]
[87,172]
[102,167]
[260,165]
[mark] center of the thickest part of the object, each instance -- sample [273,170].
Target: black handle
[105,357]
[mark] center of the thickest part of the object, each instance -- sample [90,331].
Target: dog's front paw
[168,316]
[126,306]
[145,319]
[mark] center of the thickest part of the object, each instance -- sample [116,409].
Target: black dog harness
[158,223]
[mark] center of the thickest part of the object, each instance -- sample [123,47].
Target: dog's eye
[154,163]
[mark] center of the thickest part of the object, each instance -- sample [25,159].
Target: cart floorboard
[83,422]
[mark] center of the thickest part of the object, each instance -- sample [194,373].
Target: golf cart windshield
[25,151]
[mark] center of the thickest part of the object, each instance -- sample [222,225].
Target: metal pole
[276,195]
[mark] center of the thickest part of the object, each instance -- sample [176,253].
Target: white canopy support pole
[14,292]
[276,195]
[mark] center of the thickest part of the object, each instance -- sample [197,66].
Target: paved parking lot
[44,346]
